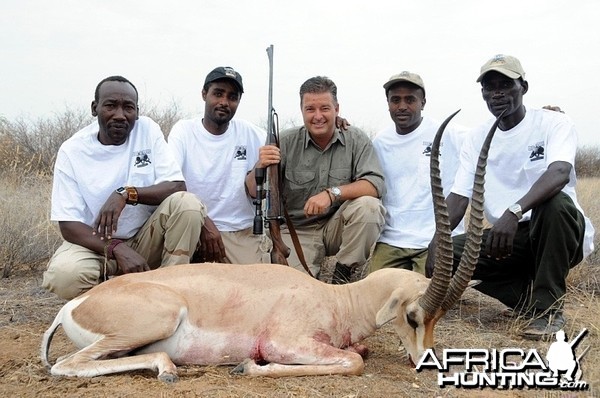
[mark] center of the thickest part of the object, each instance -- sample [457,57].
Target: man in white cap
[404,150]
[539,231]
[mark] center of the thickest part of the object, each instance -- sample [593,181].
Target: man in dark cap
[216,152]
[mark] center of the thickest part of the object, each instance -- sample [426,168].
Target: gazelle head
[415,309]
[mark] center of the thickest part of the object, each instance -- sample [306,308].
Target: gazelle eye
[413,324]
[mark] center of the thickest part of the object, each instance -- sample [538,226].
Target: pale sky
[54,52]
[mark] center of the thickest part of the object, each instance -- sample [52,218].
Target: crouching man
[118,197]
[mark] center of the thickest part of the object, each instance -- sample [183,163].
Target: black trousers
[544,250]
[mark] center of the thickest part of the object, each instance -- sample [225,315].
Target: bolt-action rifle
[268,185]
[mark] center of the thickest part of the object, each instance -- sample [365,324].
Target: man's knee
[556,209]
[68,280]
[367,209]
[183,201]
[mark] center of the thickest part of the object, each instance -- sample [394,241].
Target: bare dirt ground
[26,310]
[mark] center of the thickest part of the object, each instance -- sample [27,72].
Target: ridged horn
[442,273]
[470,254]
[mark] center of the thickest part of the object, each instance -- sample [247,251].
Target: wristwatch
[336,192]
[516,210]
[130,194]
[122,191]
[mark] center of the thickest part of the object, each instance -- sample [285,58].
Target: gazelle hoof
[168,377]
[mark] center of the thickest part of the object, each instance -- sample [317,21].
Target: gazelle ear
[389,311]
[474,282]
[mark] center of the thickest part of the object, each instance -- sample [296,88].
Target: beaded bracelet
[110,247]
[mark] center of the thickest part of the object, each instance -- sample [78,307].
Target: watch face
[336,192]
[516,210]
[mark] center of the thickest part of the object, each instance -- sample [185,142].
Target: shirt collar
[338,135]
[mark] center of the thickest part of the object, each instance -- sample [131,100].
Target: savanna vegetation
[27,239]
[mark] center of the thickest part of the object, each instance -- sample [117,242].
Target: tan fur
[270,320]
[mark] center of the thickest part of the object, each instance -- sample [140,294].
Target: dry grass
[27,239]
[26,310]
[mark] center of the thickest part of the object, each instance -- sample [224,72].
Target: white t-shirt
[516,160]
[215,168]
[86,173]
[409,220]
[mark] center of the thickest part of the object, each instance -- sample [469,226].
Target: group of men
[126,200]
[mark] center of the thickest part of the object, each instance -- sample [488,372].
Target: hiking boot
[341,274]
[544,327]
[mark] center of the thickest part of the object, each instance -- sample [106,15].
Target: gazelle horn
[444,290]
[470,254]
[442,273]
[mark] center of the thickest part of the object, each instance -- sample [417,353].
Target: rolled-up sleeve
[367,165]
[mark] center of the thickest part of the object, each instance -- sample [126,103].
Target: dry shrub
[587,196]
[30,146]
[27,237]
[165,115]
[587,161]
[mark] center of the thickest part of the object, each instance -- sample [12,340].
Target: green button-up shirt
[308,169]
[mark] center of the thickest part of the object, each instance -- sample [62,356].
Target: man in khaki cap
[539,231]
[404,150]
[505,64]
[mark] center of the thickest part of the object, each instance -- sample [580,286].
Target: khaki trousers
[243,247]
[388,256]
[168,237]
[348,235]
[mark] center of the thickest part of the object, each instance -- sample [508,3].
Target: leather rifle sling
[296,242]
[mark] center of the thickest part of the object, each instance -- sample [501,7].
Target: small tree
[28,146]
[587,161]
[165,116]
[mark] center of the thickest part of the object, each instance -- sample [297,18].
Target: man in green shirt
[332,184]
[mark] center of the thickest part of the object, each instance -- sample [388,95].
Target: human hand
[211,248]
[107,220]
[499,242]
[268,155]
[342,123]
[430,261]
[318,204]
[553,108]
[128,260]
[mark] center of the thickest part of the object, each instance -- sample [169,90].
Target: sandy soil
[26,310]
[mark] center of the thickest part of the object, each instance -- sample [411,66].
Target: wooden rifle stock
[280,251]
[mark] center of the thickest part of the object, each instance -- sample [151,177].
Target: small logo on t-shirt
[537,151]
[142,158]
[428,145]
[427,150]
[240,152]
